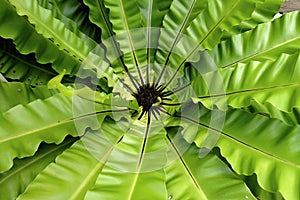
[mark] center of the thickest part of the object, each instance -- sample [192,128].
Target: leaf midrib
[111,34]
[211,31]
[40,157]
[130,41]
[284,161]
[94,171]
[259,53]
[179,32]
[62,122]
[28,63]
[187,170]
[100,7]
[252,90]
[37,21]
[109,28]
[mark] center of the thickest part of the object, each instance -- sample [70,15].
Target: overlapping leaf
[18,67]
[126,20]
[267,109]
[48,120]
[81,163]
[266,42]
[99,16]
[134,153]
[84,50]
[263,12]
[75,15]
[75,18]
[262,146]
[173,27]
[52,28]
[15,181]
[259,192]
[208,27]
[153,13]
[205,31]
[27,40]
[262,82]
[137,163]
[191,177]
[13,94]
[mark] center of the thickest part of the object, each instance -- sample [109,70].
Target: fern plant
[148,99]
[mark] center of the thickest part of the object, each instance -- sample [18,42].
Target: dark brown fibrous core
[146,96]
[151,97]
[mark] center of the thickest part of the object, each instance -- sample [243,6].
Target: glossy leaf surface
[140,82]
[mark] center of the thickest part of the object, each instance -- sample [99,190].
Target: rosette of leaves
[115,99]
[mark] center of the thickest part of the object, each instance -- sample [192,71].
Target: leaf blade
[136,167]
[65,118]
[256,148]
[88,155]
[203,173]
[271,43]
[15,181]
[27,40]
[259,84]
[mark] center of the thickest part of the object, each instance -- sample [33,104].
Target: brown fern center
[146,96]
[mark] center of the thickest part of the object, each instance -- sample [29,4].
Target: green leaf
[27,40]
[75,16]
[205,31]
[126,20]
[53,28]
[291,118]
[262,146]
[96,66]
[207,28]
[259,192]
[263,12]
[99,15]
[14,181]
[136,163]
[23,68]
[13,93]
[61,9]
[90,94]
[268,42]
[116,38]
[179,17]
[81,163]
[78,47]
[191,177]
[63,117]
[124,16]
[263,82]
[153,13]
[134,185]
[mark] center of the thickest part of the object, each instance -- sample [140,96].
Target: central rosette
[146,96]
